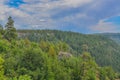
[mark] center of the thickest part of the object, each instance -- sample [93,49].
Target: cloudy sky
[84,16]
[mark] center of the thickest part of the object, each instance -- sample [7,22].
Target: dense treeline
[9,31]
[113,36]
[21,59]
[105,51]
[25,60]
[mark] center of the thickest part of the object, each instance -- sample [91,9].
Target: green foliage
[24,77]
[10,30]
[1,29]
[88,67]
[103,74]
[107,73]
[2,76]
[104,50]
[26,60]
[52,51]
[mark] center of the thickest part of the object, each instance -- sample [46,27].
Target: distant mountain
[105,51]
[113,36]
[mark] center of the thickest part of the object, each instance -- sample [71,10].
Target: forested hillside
[25,60]
[105,51]
[113,36]
[49,58]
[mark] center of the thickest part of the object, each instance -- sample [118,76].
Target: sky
[84,16]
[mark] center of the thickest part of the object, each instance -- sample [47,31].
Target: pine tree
[10,30]
[2,77]
[52,51]
[1,29]
[88,67]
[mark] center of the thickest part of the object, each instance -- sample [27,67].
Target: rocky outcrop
[64,55]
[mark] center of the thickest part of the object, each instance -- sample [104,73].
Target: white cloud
[6,11]
[44,9]
[62,3]
[39,14]
[104,27]
[31,13]
[75,3]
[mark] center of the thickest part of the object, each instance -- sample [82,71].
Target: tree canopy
[22,59]
[10,31]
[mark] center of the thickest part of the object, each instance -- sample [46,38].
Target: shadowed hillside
[105,51]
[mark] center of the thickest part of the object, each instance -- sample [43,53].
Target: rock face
[64,55]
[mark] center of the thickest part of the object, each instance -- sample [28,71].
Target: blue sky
[84,16]
[14,3]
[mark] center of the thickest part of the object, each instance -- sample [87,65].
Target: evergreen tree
[10,30]
[2,77]
[1,29]
[51,51]
[88,67]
